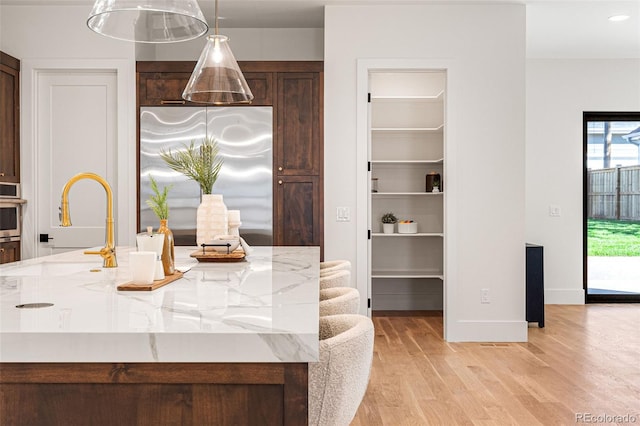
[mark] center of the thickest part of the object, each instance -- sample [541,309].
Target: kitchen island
[228,343]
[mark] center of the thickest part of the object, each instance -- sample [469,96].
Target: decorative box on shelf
[407,227]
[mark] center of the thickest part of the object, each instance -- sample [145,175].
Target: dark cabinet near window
[9,252]
[535,284]
[9,118]
[295,91]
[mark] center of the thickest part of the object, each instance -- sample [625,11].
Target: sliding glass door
[612,206]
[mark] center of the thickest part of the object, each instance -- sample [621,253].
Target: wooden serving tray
[129,286]
[237,255]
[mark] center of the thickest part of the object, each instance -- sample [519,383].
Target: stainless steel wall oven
[10,214]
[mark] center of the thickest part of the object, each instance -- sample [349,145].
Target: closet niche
[408,166]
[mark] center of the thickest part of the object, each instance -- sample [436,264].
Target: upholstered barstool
[338,382]
[331,266]
[339,300]
[336,279]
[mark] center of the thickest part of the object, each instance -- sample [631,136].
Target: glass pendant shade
[217,78]
[148,21]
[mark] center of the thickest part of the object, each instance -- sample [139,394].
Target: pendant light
[148,21]
[217,78]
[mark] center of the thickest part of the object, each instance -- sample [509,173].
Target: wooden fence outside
[614,193]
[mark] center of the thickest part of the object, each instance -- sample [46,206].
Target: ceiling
[569,28]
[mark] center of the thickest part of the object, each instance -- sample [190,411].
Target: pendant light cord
[216,18]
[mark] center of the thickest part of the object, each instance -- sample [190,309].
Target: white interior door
[76,115]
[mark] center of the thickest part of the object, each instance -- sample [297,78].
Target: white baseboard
[487,331]
[564,296]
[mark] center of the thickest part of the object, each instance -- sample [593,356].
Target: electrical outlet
[343,214]
[485,296]
[554,210]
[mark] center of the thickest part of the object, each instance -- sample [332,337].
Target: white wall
[485,47]
[55,32]
[249,44]
[558,92]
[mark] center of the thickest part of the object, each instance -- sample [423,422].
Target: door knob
[280,168]
[44,238]
[280,182]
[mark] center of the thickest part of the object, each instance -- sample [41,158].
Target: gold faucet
[108,252]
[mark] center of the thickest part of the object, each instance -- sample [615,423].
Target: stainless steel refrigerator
[245,139]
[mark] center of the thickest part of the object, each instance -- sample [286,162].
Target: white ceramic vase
[211,219]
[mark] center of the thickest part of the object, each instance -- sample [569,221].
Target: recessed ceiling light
[618,18]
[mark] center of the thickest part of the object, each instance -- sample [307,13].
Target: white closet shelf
[401,194]
[400,98]
[437,161]
[407,274]
[408,129]
[417,234]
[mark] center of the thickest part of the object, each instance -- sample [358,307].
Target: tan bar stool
[339,300]
[336,279]
[332,266]
[338,382]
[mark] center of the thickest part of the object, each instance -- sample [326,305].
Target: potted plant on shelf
[436,184]
[202,164]
[388,221]
[158,203]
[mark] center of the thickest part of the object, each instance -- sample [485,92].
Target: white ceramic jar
[211,219]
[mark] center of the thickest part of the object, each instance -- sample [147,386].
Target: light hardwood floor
[585,361]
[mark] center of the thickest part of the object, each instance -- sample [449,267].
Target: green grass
[613,238]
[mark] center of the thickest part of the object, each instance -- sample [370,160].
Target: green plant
[389,218]
[158,201]
[200,163]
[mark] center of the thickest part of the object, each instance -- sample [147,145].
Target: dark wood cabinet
[9,118]
[161,87]
[298,142]
[9,252]
[295,90]
[298,160]
[154,394]
[297,211]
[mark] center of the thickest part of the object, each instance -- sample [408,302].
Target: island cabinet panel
[295,90]
[9,252]
[298,211]
[153,394]
[9,118]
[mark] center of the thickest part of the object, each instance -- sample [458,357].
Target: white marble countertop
[264,309]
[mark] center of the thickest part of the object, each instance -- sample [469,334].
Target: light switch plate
[343,214]
[554,210]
